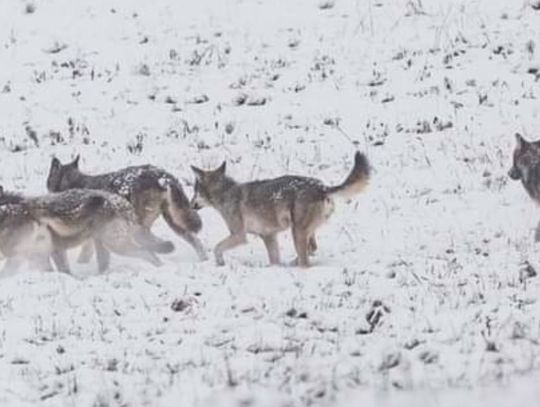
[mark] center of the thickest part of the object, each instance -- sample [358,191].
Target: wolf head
[526,158]
[62,175]
[208,184]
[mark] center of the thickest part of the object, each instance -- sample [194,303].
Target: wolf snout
[514,173]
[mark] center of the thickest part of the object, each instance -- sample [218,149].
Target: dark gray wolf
[526,168]
[43,226]
[151,190]
[267,207]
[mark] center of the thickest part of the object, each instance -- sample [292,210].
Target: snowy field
[424,290]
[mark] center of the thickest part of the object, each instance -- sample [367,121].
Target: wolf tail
[148,240]
[177,211]
[357,179]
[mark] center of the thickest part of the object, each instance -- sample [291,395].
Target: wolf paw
[220,261]
[203,256]
[312,246]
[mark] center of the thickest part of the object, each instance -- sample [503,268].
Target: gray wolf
[22,237]
[48,225]
[267,207]
[526,168]
[151,190]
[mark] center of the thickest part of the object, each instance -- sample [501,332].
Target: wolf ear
[221,169]
[520,140]
[55,163]
[75,162]
[197,171]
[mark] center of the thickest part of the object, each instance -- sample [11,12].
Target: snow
[420,294]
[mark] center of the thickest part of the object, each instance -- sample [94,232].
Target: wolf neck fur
[78,179]
[218,196]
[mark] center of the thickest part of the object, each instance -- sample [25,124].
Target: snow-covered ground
[423,292]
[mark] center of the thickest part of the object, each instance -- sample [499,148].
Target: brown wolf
[151,190]
[267,207]
[526,168]
[49,225]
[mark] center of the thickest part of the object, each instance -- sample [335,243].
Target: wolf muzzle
[514,173]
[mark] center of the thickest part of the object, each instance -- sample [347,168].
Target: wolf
[48,225]
[267,207]
[151,190]
[526,168]
[22,237]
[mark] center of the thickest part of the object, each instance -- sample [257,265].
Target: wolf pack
[114,212]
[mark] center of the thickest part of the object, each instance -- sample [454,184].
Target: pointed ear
[197,171]
[1,190]
[520,140]
[75,162]
[55,163]
[222,168]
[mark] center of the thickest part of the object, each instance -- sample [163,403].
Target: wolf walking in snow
[39,227]
[22,237]
[526,168]
[267,207]
[151,190]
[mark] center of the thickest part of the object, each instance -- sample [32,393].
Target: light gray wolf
[22,237]
[48,225]
[526,168]
[267,207]
[151,190]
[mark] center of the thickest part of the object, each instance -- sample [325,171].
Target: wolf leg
[537,233]
[103,256]
[148,256]
[312,245]
[128,248]
[189,237]
[272,247]
[228,243]
[301,244]
[60,259]
[86,253]
[195,242]
[145,238]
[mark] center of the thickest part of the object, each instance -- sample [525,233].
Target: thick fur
[267,207]
[151,190]
[49,225]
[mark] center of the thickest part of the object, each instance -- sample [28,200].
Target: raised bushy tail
[356,181]
[178,211]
